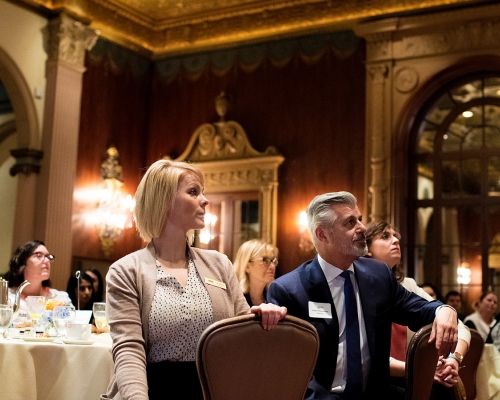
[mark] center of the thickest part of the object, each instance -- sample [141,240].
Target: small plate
[74,341]
[37,339]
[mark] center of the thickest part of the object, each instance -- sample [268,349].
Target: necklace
[183,263]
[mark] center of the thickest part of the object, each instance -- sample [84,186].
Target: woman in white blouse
[161,298]
[383,245]
[483,319]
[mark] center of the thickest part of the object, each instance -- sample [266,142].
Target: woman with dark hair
[98,284]
[32,261]
[85,292]
[383,245]
[432,291]
[483,319]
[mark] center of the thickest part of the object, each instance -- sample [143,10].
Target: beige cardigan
[131,283]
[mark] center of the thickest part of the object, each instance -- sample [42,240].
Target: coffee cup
[76,331]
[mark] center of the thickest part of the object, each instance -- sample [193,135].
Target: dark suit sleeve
[277,294]
[412,310]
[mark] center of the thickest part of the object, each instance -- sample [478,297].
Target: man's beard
[352,249]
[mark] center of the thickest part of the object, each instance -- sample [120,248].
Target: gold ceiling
[158,28]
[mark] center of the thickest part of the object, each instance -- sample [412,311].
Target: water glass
[36,306]
[99,311]
[5,317]
[61,316]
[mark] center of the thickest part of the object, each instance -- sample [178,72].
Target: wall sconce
[305,243]
[463,274]
[114,208]
[207,233]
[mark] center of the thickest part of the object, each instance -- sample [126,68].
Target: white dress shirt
[336,284]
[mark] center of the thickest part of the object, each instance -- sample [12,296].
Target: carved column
[27,166]
[66,41]
[378,158]
[268,200]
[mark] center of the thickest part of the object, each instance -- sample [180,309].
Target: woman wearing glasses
[255,267]
[32,262]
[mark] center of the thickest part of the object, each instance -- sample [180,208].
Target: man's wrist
[446,305]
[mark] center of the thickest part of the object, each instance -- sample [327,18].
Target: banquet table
[53,371]
[488,374]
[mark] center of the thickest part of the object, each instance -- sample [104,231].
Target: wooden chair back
[237,359]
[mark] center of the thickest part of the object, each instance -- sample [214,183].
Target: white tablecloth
[48,371]
[488,374]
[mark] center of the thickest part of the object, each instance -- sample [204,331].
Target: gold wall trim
[160,28]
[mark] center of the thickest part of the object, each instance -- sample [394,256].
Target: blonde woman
[161,298]
[255,267]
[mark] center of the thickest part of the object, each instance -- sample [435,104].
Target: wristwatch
[457,356]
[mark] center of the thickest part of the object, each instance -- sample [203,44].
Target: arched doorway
[454,186]
[18,129]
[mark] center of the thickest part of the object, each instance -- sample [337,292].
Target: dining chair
[470,363]
[421,361]
[237,359]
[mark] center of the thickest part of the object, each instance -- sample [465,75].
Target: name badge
[213,282]
[320,310]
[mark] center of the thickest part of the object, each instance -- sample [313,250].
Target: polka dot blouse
[178,316]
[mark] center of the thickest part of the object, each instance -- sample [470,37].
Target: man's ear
[321,234]
[368,254]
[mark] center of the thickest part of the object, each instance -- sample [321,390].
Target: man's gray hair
[320,213]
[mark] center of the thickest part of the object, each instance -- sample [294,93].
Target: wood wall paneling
[114,112]
[312,112]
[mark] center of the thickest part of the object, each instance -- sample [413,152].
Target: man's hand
[445,331]
[270,313]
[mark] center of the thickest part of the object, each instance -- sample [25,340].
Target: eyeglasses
[267,261]
[40,256]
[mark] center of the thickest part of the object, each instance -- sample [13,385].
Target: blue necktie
[354,385]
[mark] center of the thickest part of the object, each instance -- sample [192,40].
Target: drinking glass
[99,311]
[61,316]
[5,317]
[36,306]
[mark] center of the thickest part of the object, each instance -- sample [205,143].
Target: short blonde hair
[155,195]
[247,251]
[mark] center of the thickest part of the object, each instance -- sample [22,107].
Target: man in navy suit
[315,292]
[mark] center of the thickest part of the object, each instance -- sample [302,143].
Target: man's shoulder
[371,266]
[295,273]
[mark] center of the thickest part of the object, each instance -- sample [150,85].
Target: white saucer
[37,339]
[74,341]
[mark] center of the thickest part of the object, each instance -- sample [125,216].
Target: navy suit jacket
[383,301]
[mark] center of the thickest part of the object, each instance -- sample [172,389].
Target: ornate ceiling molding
[447,32]
[160,28]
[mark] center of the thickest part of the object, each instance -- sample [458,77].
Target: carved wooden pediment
[221,141]
[227,159]
[230,164]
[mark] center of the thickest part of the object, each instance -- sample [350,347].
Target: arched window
[455,187]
